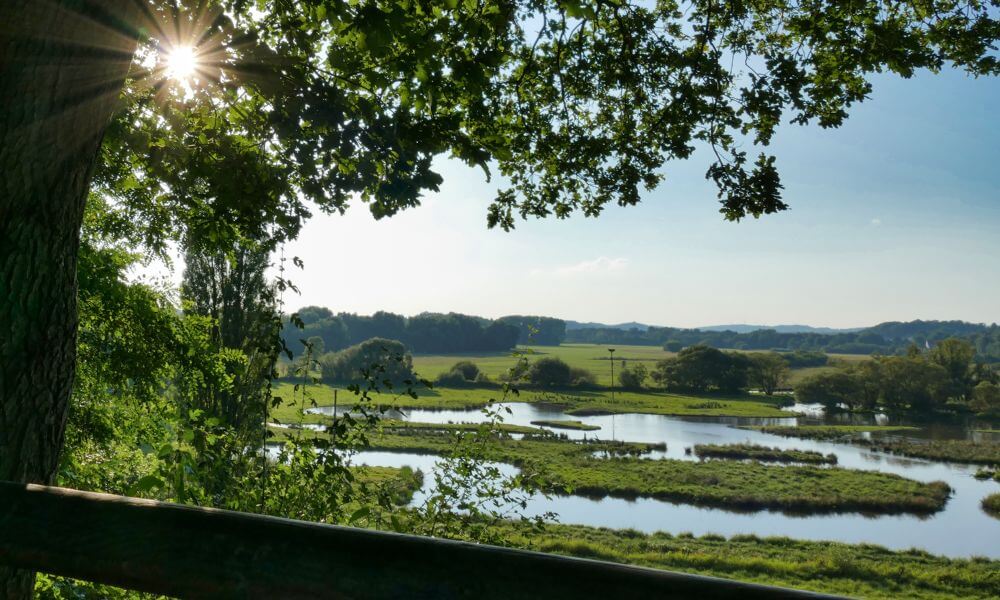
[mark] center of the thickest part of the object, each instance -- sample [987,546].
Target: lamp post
[611,351]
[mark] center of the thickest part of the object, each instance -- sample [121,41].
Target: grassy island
[565,424]
[763,453]
[962,451]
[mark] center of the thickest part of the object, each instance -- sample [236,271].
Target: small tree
[390,358]
[768,371]
[673,346]
[632,378]
[986,398]
[550,372]
[830,389]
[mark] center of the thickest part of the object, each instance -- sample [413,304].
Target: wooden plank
[197,552]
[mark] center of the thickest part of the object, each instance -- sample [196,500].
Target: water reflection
[960,530]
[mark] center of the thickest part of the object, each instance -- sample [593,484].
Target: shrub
[632,378]
[451,378]
[467,368]
[385,362]
[581,377]
[552,372]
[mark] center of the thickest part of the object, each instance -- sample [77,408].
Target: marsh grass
[565,424]
[962,451]
[763,453]
[571,468]
[858,570]
[991,505]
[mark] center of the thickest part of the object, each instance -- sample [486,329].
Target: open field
[963,451]
[575,402]
[857,570]
[592,357]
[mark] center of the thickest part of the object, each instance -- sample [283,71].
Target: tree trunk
[62,67]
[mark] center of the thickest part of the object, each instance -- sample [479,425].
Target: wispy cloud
[600,264]
[876,222]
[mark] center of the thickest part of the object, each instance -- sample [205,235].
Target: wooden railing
[198,552]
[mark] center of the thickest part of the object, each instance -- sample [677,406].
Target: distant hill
[737,328]
[571,325]
[744,328]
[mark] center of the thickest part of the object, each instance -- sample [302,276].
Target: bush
[581,377]
[467,369]
[551,372]
[801,358]
[632,378]
[673,346]
[451,378]
[699,368]
[387,362]
[830,389]
[462,373]
[986,398]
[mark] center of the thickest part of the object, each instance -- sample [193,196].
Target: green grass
[578,402]
[566,424]
[963,451]
[762,453]
[828,432]
[857,570]
[991,505]
[592,357]
[570,467]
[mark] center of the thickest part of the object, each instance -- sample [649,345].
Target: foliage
[831,389]
[853,570]
[986,398]
[386,361]
[991,505]
[539,331]
[550,372]
[633,376]
[768,371]
[702,368]
[426,332]
[884,339]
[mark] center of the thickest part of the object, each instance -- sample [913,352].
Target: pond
[962,529]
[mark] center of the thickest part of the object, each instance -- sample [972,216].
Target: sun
[181,63]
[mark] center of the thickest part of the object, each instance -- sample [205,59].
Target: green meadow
[575,402]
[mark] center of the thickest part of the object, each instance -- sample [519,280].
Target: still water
[962,529]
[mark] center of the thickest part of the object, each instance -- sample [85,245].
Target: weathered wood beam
[198,552]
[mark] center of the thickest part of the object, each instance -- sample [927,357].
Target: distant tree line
[944,377]
[886,338]
[424,333]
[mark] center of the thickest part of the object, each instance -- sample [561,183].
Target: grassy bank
[858,570]
[566,424]
[991,505]
[963,451]
[762,453]
[576,402]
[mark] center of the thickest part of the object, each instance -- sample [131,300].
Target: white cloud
[600,264]
[876,221]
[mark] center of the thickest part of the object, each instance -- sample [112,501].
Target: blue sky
[894,216]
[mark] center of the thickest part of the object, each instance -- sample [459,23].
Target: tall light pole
[611,351]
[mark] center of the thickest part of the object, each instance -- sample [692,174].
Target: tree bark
[63,64]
